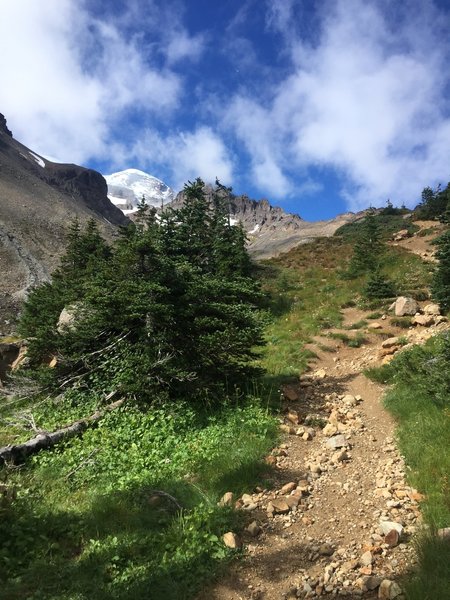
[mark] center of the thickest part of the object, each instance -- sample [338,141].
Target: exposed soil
[331,543]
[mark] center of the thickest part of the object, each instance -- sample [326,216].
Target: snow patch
[37,159]
[127,188]
[255,229]
[233,221]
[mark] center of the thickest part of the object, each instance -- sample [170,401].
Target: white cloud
[67,76]
[183,46]
[364,98]
[186,155]
[256,130]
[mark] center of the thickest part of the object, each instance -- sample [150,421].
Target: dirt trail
[321,536]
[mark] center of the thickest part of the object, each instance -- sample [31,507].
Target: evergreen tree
[378,286]
[367,249]
[164,311]
[433,204]
[440,288]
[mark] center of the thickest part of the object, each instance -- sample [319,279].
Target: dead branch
[14,454]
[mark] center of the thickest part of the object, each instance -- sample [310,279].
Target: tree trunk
[19,452]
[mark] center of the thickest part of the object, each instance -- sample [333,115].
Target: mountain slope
[38,200]
[127,188]
[270,229]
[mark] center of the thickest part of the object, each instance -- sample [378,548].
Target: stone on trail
[231,540]
[388,590]
[349,400]
[329,429]
[326,549]
[339,456]
[366,559]
[279,506]
[392,538]
[253,529]
[290,393]
[371,582]
[375,326]
[287,429]
[320,374]
[387,526]
[288,487]
[246,499]
[405,306]
[293,417]
[335,442]
[227,499]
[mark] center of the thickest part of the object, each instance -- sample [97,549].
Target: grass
[402,322]
[423,433]
[374,316]
[312,301]
[86,524]
[358,325]
[389,225]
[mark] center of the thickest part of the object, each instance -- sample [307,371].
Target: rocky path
[339,518]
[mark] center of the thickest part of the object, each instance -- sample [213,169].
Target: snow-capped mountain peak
[127,188]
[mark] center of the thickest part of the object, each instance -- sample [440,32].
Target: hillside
[340,484]
[38,199]
[326,502]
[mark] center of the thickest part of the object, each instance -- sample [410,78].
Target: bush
[440,287]
[170,309]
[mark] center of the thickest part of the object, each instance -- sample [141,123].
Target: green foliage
[387,222]
[440,288]
[367,248]
[378,286]
[420,400]
[434,204]
[86,523]
[171,308]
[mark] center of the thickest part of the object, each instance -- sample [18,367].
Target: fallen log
[16,454]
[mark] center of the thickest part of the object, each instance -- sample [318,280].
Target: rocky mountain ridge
[270,229]
[38,199]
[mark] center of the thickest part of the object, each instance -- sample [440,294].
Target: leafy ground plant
[84,521]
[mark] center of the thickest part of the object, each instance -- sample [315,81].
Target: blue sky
[320,106]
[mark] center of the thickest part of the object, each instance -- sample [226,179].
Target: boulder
[405,306]
[432,309]
[390,342]
[68,318]
[423,320]
[401,235]
[21,360]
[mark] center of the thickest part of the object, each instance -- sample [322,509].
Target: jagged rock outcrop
[270,229]
[3,126]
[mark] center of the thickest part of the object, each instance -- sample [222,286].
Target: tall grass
[420,401]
